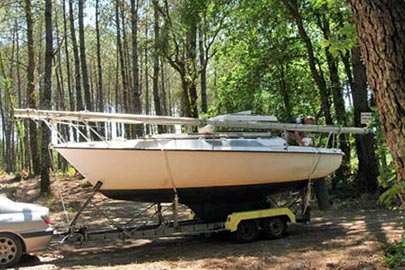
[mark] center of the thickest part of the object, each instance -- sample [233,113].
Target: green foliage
[336,44]
[348,186]
[387,176]
[343,35]
[71,171]
[392,188]
[262,66]
[84,183]
[394,253]
[6,82]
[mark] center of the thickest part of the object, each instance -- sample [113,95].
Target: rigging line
[53,128]
[75,126]
[91,129]
[57,179]
[79,132]
[52,163]
[316,163]
[166,160]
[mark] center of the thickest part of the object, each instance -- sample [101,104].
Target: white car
[24,228]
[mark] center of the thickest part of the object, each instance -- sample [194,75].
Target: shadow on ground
[349,240]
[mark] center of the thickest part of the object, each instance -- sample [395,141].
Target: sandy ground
[348,238]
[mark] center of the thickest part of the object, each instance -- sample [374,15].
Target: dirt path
[337,239]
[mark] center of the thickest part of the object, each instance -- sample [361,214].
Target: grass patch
[394,253]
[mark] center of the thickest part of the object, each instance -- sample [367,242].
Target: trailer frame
[244,226]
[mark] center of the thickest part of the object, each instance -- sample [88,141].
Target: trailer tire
[274,227]
[248,231]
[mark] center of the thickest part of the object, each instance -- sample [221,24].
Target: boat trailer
[245,226]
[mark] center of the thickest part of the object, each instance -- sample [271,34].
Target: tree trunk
[79,97]
[338,101]
[292,7]
[381,31]
[185,97]
[83,59]
[156,96]
[320,81]
[128,95]
[135,65]
[46,97]
[100,92]
[31,92]
[367,169]
[67,60]
[24,143]
[99,79]
[3,124]
[182,56]
[203,76]
[191,53]
[122,65]
[165,97]
[117,78]
[18,68]
[60,96]
[146,91]
[284,91]
[7,115]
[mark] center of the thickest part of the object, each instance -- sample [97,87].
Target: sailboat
[213,173]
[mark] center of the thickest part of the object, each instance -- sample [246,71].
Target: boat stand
[96,189]
[73,230]
[305,214]
[175,210]
[298,203]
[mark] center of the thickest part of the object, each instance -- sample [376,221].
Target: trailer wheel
[247,231]
[274,227]
[11,249]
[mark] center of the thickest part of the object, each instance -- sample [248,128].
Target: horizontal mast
[290,127]
[85,116]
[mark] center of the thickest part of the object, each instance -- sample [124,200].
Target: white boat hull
[213,178]
[136,169]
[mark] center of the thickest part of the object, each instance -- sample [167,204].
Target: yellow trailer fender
[234,219]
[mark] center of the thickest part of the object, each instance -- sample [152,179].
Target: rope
[166,159]
[57,179]
[308,195]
